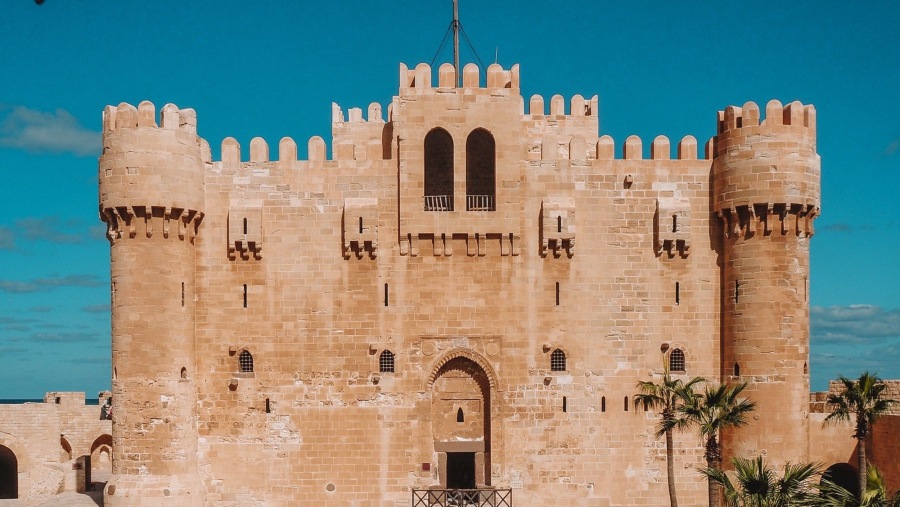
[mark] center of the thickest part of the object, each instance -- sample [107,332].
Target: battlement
[418,81]
[578,106]
[660,149]
[740,122]
[126,116]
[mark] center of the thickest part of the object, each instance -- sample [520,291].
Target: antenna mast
[455,27]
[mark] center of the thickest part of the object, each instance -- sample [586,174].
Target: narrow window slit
[459,415]
[360,225]
[737,370]
[557,293]
[268,406]
[626,403]
[245,226]
[245,295]
[564,404]
[386,298]
[559,223]
[603,403]
[737,293]
[677,293]
[182,294]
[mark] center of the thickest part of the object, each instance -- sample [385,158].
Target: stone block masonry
[464,295]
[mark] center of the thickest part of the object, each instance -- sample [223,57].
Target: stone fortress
[462,295]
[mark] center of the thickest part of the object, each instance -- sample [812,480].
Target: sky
[272,69]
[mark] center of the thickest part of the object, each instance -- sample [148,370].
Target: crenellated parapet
[766,171]
[499,81]
[151,174]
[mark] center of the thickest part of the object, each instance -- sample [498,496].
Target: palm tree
[757,485]
[862,398]
[715,409]
[669,395]
[875,494]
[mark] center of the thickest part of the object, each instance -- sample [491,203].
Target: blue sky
[272,69]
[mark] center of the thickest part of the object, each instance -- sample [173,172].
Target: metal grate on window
[558,360]
[676,360]
[386,362]
[245,361]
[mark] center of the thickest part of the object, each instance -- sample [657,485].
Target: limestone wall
[47,439]
[364,326]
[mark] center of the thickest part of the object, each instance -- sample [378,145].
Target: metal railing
[480,203]
[438,203]
[462,498]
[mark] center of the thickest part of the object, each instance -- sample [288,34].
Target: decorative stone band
[134,221]
[781,218]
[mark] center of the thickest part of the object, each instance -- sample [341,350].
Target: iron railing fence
[462,498]
[480,203]
[438,203]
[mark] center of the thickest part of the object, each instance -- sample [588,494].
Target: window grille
[245,361]
[676,360]
[386,362]
[558,360]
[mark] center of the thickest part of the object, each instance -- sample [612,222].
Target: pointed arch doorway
[461,421]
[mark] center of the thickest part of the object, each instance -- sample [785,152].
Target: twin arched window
[480,171]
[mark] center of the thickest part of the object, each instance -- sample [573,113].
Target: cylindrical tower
[766,191]
[151,198]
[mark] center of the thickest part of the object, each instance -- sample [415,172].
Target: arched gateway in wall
[461,383]
[9,474]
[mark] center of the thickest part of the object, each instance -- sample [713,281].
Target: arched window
[245,362]
[737,370]
[603,403]
[480,171]
[438,171]
[459,416]
[386,362]
[558,360]
[183,373]
[676,360]
[626,403]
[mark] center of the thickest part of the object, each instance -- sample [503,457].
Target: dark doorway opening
[844,475]
[9,474]
[460,470]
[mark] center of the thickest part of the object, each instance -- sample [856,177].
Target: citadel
[462,295]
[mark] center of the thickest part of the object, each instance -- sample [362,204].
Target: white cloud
[852,324]
[44,284]
[39,131]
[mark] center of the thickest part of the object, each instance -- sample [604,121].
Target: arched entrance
[101,463]
[844,475]
[9,474]
[461,422]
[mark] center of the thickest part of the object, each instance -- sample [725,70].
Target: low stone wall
[42,445]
